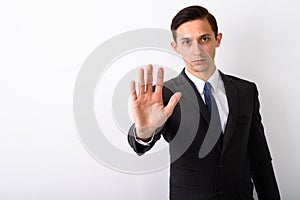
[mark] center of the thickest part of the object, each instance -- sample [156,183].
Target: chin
[200,68]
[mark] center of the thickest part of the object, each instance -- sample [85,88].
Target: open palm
[149,112]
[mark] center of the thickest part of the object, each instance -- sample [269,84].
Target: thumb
[172,103]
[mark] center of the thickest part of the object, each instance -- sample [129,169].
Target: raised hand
[149,112]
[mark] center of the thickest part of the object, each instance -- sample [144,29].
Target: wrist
[144,133]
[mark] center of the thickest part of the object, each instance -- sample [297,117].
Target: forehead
[194,29]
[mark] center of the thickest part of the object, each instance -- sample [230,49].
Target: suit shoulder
[173,82]
[240,82]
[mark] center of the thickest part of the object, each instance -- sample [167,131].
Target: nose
[197,49]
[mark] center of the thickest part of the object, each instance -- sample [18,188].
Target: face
[197,43]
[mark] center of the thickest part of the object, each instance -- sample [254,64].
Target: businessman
[211,120]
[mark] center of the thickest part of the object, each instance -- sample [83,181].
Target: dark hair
[192,13]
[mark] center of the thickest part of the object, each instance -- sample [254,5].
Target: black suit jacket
[228,170]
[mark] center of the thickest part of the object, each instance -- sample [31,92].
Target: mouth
[198,61]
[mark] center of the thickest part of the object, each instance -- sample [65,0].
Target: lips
[198,61]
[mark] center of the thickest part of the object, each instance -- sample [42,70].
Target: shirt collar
[199,83]
[214,79]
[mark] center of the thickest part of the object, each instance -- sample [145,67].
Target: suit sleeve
[260,158]
[139,148]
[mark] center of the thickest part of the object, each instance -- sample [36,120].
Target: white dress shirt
[217,90]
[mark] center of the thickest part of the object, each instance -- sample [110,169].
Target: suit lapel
[232,98]
[188,87]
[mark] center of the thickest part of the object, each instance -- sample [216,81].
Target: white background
[42,47]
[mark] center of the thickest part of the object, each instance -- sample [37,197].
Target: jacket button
[220,165]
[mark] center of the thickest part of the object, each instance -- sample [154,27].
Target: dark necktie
[214,133]
[207,96]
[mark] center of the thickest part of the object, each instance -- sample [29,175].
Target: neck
[203,75]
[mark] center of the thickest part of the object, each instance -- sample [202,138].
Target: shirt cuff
[141,141]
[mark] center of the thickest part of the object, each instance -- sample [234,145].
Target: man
[211,120]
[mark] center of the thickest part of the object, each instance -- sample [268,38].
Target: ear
[218,40]
[174,46]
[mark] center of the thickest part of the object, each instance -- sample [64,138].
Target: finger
[172,103]
[149,78]
[160,80]
[133,91]
[141,82]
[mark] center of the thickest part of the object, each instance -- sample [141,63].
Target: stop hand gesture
[149,112]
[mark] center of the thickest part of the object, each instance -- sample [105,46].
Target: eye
[187,42]
[204,39]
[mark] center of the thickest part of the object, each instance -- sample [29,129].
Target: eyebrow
[187,38]
[205,35]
